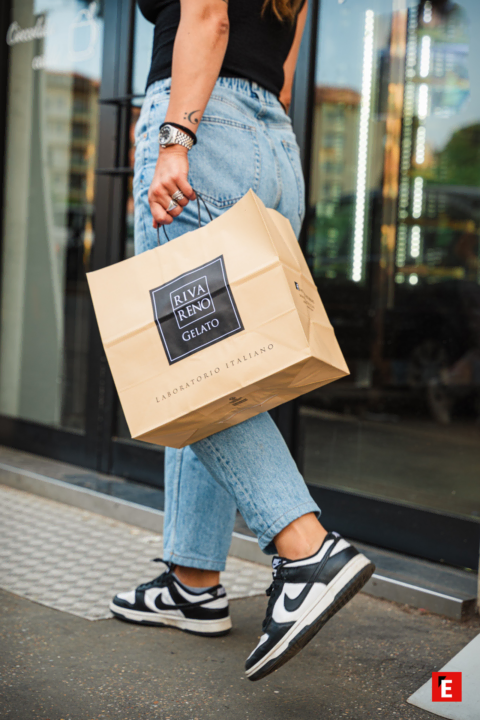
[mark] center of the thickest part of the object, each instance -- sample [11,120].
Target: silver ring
[178,195]
[172,205]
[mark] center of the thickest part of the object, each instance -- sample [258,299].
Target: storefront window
[393,243]
[52,128]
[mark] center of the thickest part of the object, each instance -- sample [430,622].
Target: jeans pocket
[225,163]
[293,154]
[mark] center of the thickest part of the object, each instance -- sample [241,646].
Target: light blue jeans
[245,140]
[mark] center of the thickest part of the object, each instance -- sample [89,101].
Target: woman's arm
[290,63]
[199,49]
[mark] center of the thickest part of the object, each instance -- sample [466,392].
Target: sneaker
[166,601]
[305,594]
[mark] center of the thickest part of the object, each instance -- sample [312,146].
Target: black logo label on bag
[195,310]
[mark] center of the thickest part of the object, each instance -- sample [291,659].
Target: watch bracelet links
[181,139]
[185,136]
[183,129]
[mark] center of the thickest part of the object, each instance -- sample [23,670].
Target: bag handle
[199,197]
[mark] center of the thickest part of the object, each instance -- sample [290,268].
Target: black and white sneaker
[166,601]
[305,594]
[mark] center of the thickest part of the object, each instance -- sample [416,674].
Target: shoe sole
[210,628]
[343,588]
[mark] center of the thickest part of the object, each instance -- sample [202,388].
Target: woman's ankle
[194,577]
[301,538]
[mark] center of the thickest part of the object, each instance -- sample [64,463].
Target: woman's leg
[252,462]
[199,518]
[199,513]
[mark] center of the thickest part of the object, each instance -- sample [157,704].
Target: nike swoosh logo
[160,605]
[156,602]
[292,604]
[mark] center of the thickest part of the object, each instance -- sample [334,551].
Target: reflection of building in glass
[394,209]
[377,146]
[84,140]
[334,147]
[334,153]
[54,71]
[53,147]
[71,137]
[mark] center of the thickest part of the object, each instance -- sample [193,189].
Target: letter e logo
[446,687]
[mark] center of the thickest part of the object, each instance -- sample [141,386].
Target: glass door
[393,243]
[66,187]
[52,130]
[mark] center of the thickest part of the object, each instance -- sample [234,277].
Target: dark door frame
[416,531]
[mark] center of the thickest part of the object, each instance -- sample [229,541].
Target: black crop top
[257,47]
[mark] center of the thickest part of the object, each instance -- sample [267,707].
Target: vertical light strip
[417,197]
[420,146]
[401,245]
[360,207]
[422,102]
[415,241]
[427,12]
[407,137]
[425,56]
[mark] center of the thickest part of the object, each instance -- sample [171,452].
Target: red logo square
[447,687]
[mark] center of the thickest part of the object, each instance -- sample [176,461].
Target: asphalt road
[363,665]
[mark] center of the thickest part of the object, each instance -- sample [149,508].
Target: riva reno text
[194,304]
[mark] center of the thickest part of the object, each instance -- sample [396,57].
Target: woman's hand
[171,175]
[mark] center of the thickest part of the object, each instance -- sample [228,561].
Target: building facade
[386,109]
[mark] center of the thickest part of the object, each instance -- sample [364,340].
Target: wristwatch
[170,135]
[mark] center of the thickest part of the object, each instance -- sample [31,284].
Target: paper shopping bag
[221,324]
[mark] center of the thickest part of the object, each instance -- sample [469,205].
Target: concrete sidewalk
[64,658]
[363,665]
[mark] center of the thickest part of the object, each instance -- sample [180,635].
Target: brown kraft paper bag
[217,326]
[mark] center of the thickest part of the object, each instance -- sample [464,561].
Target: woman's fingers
[181,201]
[159,214]
[159,207]
[163,196]
[170,177]
[159,201]
[176,211]
[186,188]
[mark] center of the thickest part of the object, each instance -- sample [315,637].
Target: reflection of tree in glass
[459,161]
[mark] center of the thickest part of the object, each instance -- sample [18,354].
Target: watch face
[165,134]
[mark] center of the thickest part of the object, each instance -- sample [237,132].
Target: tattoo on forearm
[191,117]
